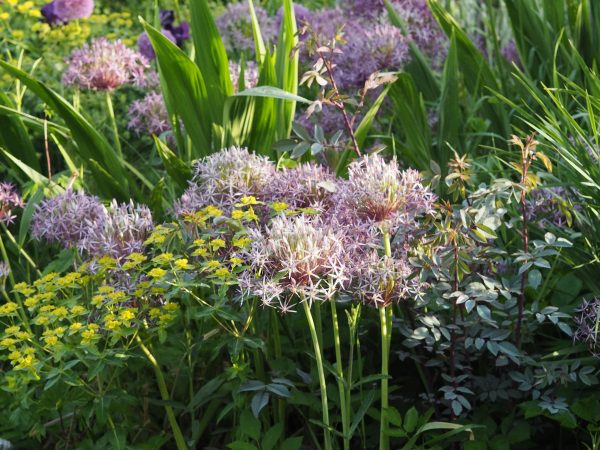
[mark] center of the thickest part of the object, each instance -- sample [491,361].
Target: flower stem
[164,393]
[113,122]
[342,388]
[385,319]
[321,371]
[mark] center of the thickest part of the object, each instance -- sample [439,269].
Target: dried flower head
[145,45]
[250,75]
[149,115]
[104,65]
[223,178]
[9,199]
[294,259]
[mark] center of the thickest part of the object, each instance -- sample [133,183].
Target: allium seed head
[104,66]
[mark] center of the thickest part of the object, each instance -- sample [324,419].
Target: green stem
[21,250]
[340,376]
[385,318]
[113,122]
[319,358]
[278,355]
[164,393]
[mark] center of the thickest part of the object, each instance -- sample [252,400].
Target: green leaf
[259,401]
[271,437]
[241,445]
[271,92]
[293,443]
[32,174]
[178,171]
[286,63]
[14,136]
[211,57]
[449,113]
[410,420]
[184,90]
[249,425]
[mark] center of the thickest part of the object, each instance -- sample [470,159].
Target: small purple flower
[49,14]
[104,66]
[149,115]
[9,199]
[511,53]
[145,46]
[181,33]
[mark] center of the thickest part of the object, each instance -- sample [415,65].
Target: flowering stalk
[321,371]
[343,389]
[164,393]
[113,122]
[385,318]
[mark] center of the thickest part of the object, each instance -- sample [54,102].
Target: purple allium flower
[294,259]
[235,27]
[378,193]
[223,178]
[306,186]
[149,115]
[369,50]
[250,74]
[104,66]
[145,46]
[68,218]
[125,229]
[588,325]
[9,199]
[77,220]
[302,13]
[68,10]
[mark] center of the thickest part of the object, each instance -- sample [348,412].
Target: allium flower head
[145,46]
[378,192]
[250,75]
[308,185]
[235,28]
[223,178]
[9,199]
[68,10]
[104,65]
[149,115]
[295,259]
[77,220]
[67,218]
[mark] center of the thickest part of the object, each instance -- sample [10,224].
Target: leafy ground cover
[369,224]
